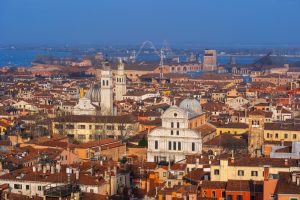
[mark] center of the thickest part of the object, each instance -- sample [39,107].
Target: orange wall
[209,192]
[269,188]
[288,197]
[197,121]
[246,195]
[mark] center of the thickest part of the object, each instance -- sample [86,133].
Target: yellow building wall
[278,135]
[233,131]
[197,121]
[231,172]
[82,153]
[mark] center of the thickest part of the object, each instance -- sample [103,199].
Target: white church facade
[174,140]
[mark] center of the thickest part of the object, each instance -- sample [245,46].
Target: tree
[143,143]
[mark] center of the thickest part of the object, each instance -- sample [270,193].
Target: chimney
[197,162]
[294,177]
[77,174]
[232,160]
[52,169]
[48,167]
[39,167]
[266,173]
[58,167]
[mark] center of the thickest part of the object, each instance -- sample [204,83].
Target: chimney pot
[232,160]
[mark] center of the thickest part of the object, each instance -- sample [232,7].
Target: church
[100,97]
[176,138]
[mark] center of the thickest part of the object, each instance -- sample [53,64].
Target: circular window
[175,114]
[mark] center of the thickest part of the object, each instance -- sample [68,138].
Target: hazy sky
[203,22]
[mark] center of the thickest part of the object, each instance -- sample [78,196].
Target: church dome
[94,93]
[191,105]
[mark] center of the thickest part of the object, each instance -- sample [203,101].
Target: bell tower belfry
[120,81]
[106,90]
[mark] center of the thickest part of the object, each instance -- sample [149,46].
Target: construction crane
[262,61]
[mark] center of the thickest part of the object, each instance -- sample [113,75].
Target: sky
[130,22]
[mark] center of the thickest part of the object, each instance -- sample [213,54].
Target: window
[276,135]
[174,145]
[59,126]
[156,144]
[229,197]
[175,114]
[98,127]
[177,132]
[172,124]
[164,174]
[81,127]
[294,136]
[240,172]
[213,194]
[178,125]
[39,188]
[81,137]
[254,173]
[193,146]
[91,191]
[18,186]
[170,145]
[204,193]
[110,127]
[70,126]
[239,197]
[179,146]
[90,126]
[172,132]
[285,136]
[223,194]
[27,187]
[216,172]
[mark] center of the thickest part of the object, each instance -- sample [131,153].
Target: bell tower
[106,90]
[256,132]
[120,81]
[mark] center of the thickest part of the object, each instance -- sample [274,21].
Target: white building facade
[174,140]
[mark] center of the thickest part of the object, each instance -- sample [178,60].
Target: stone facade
[174,140]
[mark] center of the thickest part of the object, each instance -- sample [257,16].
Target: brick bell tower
[256,132]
